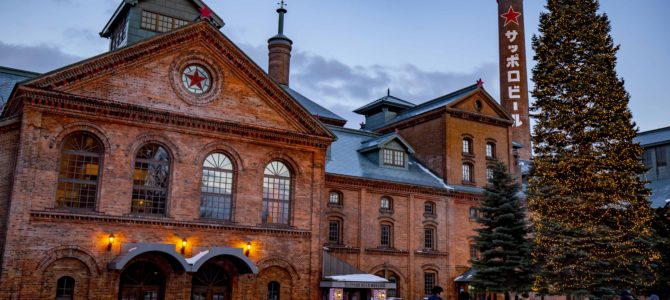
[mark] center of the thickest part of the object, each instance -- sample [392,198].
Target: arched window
[386,235]
[216,191]
[80,161]
[386,203]
[65,288]
[276,193]
[393,292]
[490,150]
[335,198]
[489,174]
[151,180]
[273,290]
[429,238]
[429,208]
[468,175]
[467,145]
[335,231]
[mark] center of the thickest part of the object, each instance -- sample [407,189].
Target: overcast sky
[348,52]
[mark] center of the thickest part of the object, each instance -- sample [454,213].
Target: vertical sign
[513,73]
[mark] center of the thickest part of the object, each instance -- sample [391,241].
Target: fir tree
[502,240]
[661,225]
[588,204]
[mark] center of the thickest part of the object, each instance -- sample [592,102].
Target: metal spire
[281,10]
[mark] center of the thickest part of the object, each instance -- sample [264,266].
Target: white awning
[357,278]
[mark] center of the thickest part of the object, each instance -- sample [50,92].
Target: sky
[347,53]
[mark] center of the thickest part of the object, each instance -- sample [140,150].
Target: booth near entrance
[342,281]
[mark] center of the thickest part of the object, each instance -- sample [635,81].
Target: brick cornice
[462,114]
[229,52]
[387,251]
[54,216]
[438,112]
[58,101]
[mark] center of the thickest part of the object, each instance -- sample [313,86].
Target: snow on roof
[197,257]
[357,278]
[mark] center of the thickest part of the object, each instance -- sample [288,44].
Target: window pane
[65,288]
[428,238]
[428,282]
[150,180]
[276,193]
[467,172]
[661,156]
[273,290]
[335,198]
[334,231]
[489,174]
[78,172]
[217,187]
[386,235]
[490,150]
[467,146]
[429,208]
[385,203]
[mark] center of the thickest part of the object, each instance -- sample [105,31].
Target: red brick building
[173,167]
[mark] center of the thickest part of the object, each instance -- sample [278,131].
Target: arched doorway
[211,282]
[142,280]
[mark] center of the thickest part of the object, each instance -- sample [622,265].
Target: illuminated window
[65,288]
[467,172]
[216,190]
[151,180]
[394,158]
[276,193]
[467,146]
[79,172]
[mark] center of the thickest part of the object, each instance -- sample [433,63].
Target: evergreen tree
[588,204]
[661,225]
[502,240]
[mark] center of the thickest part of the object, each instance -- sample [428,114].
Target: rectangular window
[467,173]
[474,254]
[646,159]
[160,23]
[334,231]
[467,146]
[394,158]
[490,152]
[489,174]
[386,235]
[429,237]
[473,213]
[429,280]
[661,156]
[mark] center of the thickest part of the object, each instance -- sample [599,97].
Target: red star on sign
[196,79]
[511,16]
[480,83]
[205,12]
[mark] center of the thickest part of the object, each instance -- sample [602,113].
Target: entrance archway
[211,282]
[142,280]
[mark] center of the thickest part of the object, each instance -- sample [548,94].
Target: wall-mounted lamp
[248,249]
[111,241]
[183,246]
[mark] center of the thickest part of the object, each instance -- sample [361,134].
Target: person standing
[435,293]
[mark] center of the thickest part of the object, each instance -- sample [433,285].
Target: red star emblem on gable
[480,83]
[196,79]
[205,12]
[511,16]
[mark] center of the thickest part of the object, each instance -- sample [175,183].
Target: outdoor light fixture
[111,241]
[246,252]
[183,246]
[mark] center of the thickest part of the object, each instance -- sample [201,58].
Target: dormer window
[394,158]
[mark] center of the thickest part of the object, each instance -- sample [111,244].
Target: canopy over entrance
[466,276]
[339,274]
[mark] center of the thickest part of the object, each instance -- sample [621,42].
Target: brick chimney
[279,47]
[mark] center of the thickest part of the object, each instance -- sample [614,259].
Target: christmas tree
[502,240]
[661,225]
[587,202]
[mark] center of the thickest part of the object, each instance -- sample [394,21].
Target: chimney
[279,47]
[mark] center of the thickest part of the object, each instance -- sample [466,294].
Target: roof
[654,137]
[383,140]
[660,192]
[467,276]
[10,77]
[430,105]
[345,159]
[386,100]
[125,4]
[311,106]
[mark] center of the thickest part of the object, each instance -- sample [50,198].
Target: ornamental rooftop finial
[280,51]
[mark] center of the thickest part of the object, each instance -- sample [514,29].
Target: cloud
[343,88]
[40,58]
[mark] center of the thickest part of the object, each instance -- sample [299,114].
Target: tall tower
[513,72]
